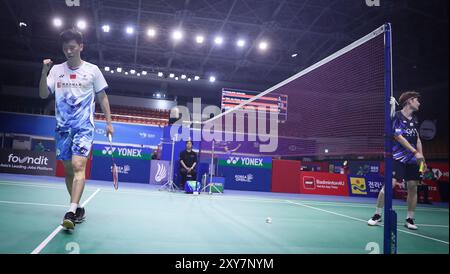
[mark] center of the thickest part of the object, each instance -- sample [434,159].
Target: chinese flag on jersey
[73,76]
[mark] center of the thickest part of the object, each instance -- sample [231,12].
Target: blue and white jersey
[75,91]
[408,129]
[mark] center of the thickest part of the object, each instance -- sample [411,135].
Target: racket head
[115,175]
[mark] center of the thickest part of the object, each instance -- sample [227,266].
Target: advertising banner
[365,186]
[323,183]
[27,162]
[133,163]
[246,173]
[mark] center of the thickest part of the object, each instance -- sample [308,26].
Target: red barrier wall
[285,176]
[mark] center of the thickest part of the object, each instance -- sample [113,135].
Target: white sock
[410,215]
[79,206]
[379,210]
[73,207]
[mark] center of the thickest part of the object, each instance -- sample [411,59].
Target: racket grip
[421,167]
[109,137]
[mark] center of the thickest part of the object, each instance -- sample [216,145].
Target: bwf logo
[73,3]
[373,3]
[161,173]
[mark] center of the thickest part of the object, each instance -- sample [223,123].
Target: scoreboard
[233,97]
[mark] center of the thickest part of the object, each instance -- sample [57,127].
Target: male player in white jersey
[408,156]
[75,83]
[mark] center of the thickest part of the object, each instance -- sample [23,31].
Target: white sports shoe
[409,224]
[374,220]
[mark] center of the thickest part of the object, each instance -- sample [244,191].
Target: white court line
[235,198]
[44,243]
[25,203]
[365,221]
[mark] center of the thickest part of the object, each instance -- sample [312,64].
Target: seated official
[188,161]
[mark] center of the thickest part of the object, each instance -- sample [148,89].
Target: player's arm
[104,104]
[407,145]
[43,85]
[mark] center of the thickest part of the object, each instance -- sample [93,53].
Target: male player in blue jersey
[75,83]
[408,155]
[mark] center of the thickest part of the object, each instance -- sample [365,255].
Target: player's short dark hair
[71,34]
[406,96]
[188,141]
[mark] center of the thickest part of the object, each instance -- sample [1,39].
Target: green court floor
[145,220]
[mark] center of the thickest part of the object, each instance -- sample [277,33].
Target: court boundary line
[29,203]
[50,237]
[365,221]
[261,199]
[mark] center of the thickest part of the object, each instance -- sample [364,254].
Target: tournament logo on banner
[358,186]
[132,163]
[159,172]
[27,162]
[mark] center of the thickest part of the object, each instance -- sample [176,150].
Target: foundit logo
[358,186]
[41,160]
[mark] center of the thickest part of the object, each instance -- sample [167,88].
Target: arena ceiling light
[160,74]
[177,35]
[294,55]
[144,72]
[81,24]
[218,40]
[263,45]
[171,75]
[129,30]
[119,69]
[106,28]
[57,22]
[132,71]
[107,68]
[199,39]
[183,76]
[196,78]
[212,79]
[240,43]
[176,78]
[189,79]
[151,32]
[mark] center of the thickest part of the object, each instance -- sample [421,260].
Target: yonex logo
[233,160]
[108,150]
[61,76]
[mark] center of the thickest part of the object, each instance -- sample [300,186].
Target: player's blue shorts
[70,141]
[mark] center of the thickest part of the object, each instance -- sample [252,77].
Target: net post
[390,216]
